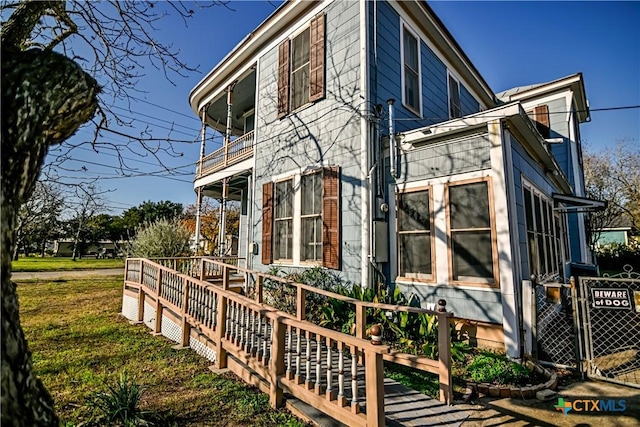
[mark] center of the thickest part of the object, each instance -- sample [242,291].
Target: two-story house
[361,138]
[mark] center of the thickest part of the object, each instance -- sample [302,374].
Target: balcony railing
[237,150]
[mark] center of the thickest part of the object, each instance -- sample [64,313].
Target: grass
[63,264]
[80,342]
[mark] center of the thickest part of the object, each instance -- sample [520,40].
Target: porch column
[199,199]
[222,225]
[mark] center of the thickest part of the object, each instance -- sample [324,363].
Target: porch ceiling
[237,184]
[243,101]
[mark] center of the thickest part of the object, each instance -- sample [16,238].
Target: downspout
[392,140]
[199,199]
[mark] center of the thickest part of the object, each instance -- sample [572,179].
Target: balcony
[236,151]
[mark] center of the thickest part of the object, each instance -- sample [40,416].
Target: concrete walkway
[52,275]
[532,412]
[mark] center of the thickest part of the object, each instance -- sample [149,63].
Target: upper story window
[472,233]
[410,70]
[301,74]
[301,219]
[415,235]
[540,116]
[455,107]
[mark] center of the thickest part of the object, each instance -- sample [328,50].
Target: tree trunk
[39,109]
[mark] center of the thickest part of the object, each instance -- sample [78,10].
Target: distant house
[360,137]
[619,232]
[102,248]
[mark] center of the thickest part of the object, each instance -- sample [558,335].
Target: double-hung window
[301,73]
[471,233]
[411,70]
[301,219]
[455,108]
[311,217]
[415,235]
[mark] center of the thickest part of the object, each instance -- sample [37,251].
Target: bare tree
[614,176]
[64,63]
[38,216]
[89,202]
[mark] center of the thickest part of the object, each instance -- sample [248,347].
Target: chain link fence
[555,334]
[612,327]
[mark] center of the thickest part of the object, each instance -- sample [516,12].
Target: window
[472,233]
[543,234]
[411,70]
[414,235]
[301,219]
[311,239]
[283,220]
[455,110]
[301,68]
[540,116]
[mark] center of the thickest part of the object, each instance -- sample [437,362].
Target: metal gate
[555,338]
[610,327]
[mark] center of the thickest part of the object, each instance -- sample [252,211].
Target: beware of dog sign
[611,298]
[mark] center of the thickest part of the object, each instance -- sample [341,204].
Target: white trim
[365,205]
[510,306]
[449,76]
[405,26]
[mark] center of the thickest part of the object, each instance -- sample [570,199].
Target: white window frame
[296,177]
[451,76]
[404,26]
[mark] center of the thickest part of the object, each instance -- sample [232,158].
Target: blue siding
[386,78]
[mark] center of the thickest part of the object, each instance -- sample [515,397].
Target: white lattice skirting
[171,330]
[130,308]
[149,315]
[202,349]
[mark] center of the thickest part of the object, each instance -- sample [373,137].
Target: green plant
[487,367]
[119,404]
[162,238]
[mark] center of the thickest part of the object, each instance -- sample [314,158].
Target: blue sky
[510,43]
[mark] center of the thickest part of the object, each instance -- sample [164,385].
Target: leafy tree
[614,176]
[210,221]
[46,97]
[149,212]
[163,238]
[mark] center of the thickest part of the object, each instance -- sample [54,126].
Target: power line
[165,108]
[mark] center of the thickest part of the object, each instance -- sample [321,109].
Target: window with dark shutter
[267,223]
[331,218]
[316,90]
[283,78]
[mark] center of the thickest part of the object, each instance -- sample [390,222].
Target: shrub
[119,404]
[162,238]
[614,256]
[487,367]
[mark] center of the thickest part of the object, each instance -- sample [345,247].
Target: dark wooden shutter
[267,222]
[316,58]
[541,114]
[283,78]
[331,218]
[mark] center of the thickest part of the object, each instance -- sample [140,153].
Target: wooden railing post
[202,272]
[225,277]
[221,322]
[259,289]
[301,306]
[374,374]
[186,327]
[159,308]
[277,368]
[141,294]
[444,353]
[361,321]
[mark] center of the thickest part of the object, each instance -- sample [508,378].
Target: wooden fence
[337,373]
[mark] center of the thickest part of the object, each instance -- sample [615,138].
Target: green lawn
[79,341]
[60,264]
